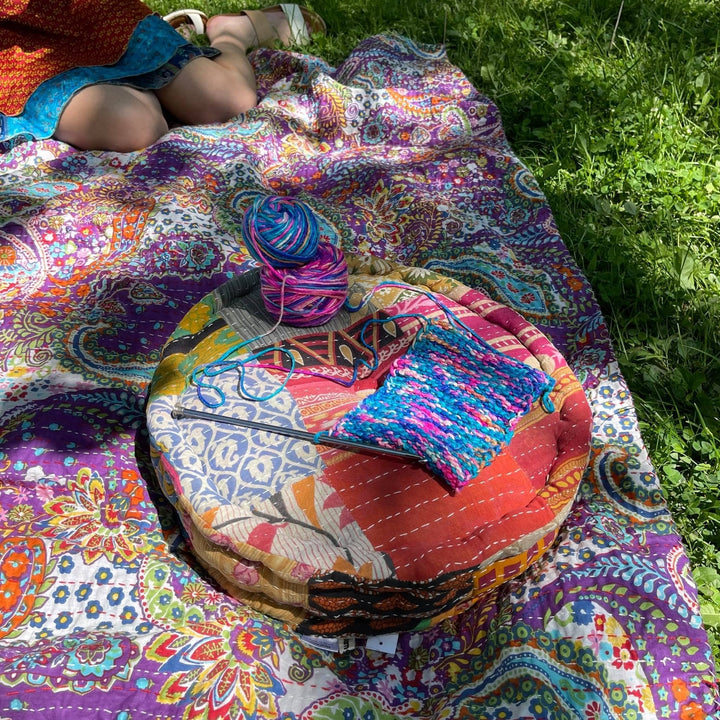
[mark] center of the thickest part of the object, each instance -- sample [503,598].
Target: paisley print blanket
[104,612]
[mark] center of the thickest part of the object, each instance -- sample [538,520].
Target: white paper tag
[383,643]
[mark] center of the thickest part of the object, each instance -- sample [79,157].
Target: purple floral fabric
[103,611]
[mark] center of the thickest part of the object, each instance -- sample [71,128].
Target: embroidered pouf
[339,540]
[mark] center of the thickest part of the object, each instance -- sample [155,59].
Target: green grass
[616,109]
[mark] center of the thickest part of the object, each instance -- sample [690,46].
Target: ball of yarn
[303,281]
[309,295]
[280,231]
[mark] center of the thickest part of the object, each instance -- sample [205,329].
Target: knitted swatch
[451,400]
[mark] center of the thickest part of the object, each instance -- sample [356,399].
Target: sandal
[187,22]
[303,23]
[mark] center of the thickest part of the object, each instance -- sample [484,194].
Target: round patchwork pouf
[338,540]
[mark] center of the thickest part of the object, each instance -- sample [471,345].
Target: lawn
[615,106]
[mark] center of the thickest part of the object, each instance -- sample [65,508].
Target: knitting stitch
[452,400]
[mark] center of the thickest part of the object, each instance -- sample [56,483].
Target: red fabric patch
[412,517]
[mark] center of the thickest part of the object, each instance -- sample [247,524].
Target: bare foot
[240,30]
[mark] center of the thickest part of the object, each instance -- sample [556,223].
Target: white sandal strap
[197,19]
[296,21]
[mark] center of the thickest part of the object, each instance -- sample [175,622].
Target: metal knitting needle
[180,412]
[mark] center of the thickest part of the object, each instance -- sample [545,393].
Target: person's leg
[111,117]
[210,91]
[120,118]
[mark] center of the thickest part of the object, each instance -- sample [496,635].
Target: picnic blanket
[105,611]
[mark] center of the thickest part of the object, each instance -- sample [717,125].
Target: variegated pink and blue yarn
[452,399]
[303,279]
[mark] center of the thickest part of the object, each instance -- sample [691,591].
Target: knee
[134,127]
[211,91]
[233,107]
[112,120]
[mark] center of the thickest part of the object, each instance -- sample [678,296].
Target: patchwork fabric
[345,542]
[104,610]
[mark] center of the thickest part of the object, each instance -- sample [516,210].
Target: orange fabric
[401,508]
[39,39]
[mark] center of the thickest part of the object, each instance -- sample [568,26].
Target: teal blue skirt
[154,56]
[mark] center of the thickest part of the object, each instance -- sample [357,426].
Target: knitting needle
[180,412]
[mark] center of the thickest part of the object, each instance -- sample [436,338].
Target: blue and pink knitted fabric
[452,399]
